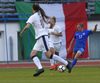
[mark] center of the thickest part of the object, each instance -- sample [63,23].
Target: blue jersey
[81,37]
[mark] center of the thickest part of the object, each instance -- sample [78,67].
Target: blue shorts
[79,48]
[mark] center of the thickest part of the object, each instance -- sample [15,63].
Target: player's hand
[68,49]
[53,33]
[21,34]
[96,25]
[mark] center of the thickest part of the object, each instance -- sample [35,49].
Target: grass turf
[25,75]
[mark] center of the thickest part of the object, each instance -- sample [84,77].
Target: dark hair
[54,18]
[37,8]
[81,24]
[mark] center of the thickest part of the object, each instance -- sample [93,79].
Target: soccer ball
[61,68]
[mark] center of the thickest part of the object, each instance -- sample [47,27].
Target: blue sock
[73,63]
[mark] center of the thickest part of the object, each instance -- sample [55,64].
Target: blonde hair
[54,18]
[81,24]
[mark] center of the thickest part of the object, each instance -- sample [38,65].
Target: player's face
[79,28]
[33,10]
[52,22]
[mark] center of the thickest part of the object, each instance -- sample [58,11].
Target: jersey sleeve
[74,36]
[89,32]
[59,29]
[30,20]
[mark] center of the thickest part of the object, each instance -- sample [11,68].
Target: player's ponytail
[43,15]
[37,8]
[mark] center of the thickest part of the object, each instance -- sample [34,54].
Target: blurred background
[12,47]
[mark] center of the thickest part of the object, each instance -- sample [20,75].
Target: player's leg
[56,62]
[75,58]
[51,60]
[78,54]
[57,50]
[73,55]
[55,57]
[37,62]
[36,59]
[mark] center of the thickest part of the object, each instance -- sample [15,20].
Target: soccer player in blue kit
[79,47]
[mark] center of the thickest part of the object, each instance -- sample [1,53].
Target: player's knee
[48,57]
[52,50]
[48,54]
[51,56]
[78,55]
[32,54]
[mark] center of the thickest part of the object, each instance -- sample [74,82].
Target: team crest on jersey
[80,36]
[83,33]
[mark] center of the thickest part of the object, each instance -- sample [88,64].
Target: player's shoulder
[57,27]
[32,16]
[76,32]
[86,30]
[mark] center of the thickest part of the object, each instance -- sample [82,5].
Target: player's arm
[60,34]
[95,28]
[71,45]
[25,28]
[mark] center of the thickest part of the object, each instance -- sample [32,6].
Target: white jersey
[55,39]
[38,25]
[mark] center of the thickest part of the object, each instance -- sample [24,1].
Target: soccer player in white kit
[55,34]
[37,20]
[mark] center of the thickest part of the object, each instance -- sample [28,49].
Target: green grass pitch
[89,74]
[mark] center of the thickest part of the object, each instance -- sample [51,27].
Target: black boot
[69,66]
[39,72]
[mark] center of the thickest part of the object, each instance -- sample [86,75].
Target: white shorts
[42,44]
[51,44]
[57,47]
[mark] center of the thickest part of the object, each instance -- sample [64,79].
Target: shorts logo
[82,49]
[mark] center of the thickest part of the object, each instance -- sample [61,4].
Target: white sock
[56,62]
[37,62]
[57,58]
[52,62]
